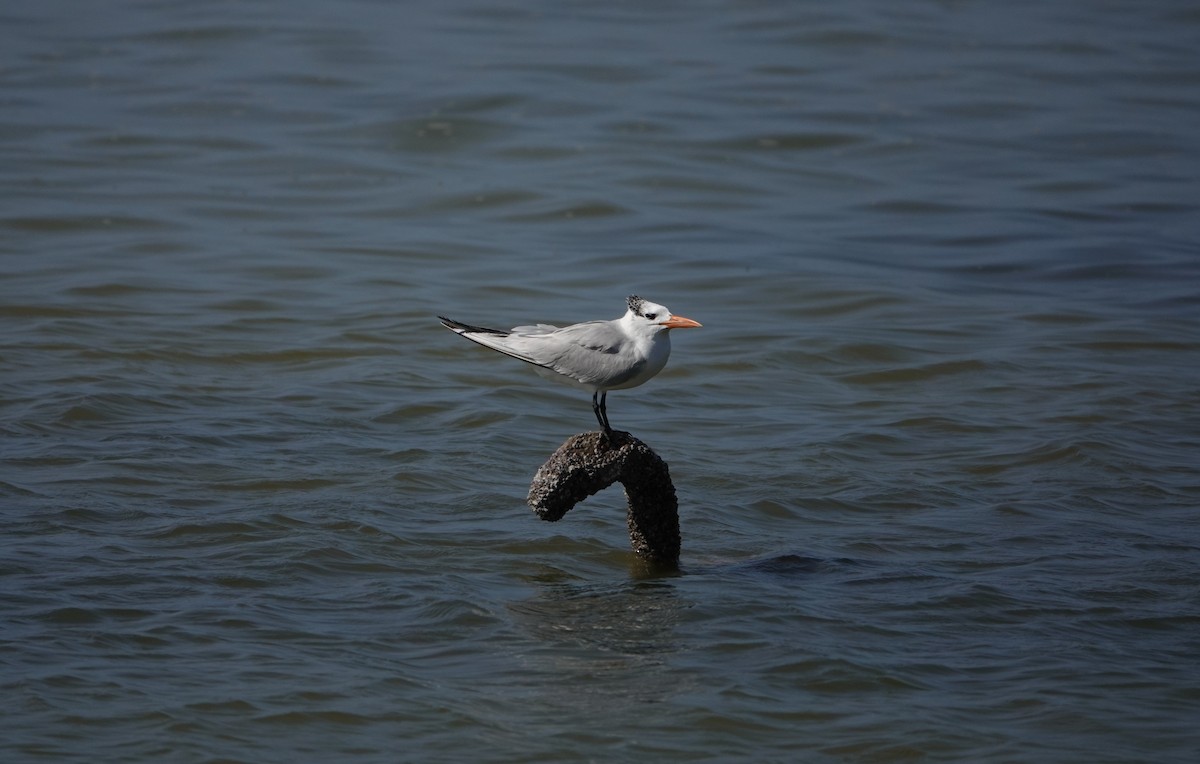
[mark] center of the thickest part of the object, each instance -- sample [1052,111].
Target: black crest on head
[635,304]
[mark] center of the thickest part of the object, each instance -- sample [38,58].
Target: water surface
[935,446]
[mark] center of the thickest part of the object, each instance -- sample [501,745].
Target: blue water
[935,447]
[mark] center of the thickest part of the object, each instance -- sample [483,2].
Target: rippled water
[935,447]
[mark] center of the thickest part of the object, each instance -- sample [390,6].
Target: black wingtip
[460,327]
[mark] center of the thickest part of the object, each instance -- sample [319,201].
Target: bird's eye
[651,316]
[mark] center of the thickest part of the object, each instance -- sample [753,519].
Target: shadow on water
[782,569]
[784,566]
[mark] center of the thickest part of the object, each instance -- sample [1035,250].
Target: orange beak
[679,322]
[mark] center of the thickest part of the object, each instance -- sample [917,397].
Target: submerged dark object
[590,462]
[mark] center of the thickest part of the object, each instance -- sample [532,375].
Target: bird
[595,355]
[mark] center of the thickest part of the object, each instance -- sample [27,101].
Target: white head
[653,318]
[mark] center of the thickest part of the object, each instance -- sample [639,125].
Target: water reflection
[603,642]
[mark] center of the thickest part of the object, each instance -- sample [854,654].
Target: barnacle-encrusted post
[590,462]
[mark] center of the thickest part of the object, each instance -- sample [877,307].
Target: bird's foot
[614,438]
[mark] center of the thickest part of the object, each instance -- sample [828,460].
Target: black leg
[600,408]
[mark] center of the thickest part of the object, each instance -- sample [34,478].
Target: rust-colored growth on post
[590,462]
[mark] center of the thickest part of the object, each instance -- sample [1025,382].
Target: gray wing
[592,353]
